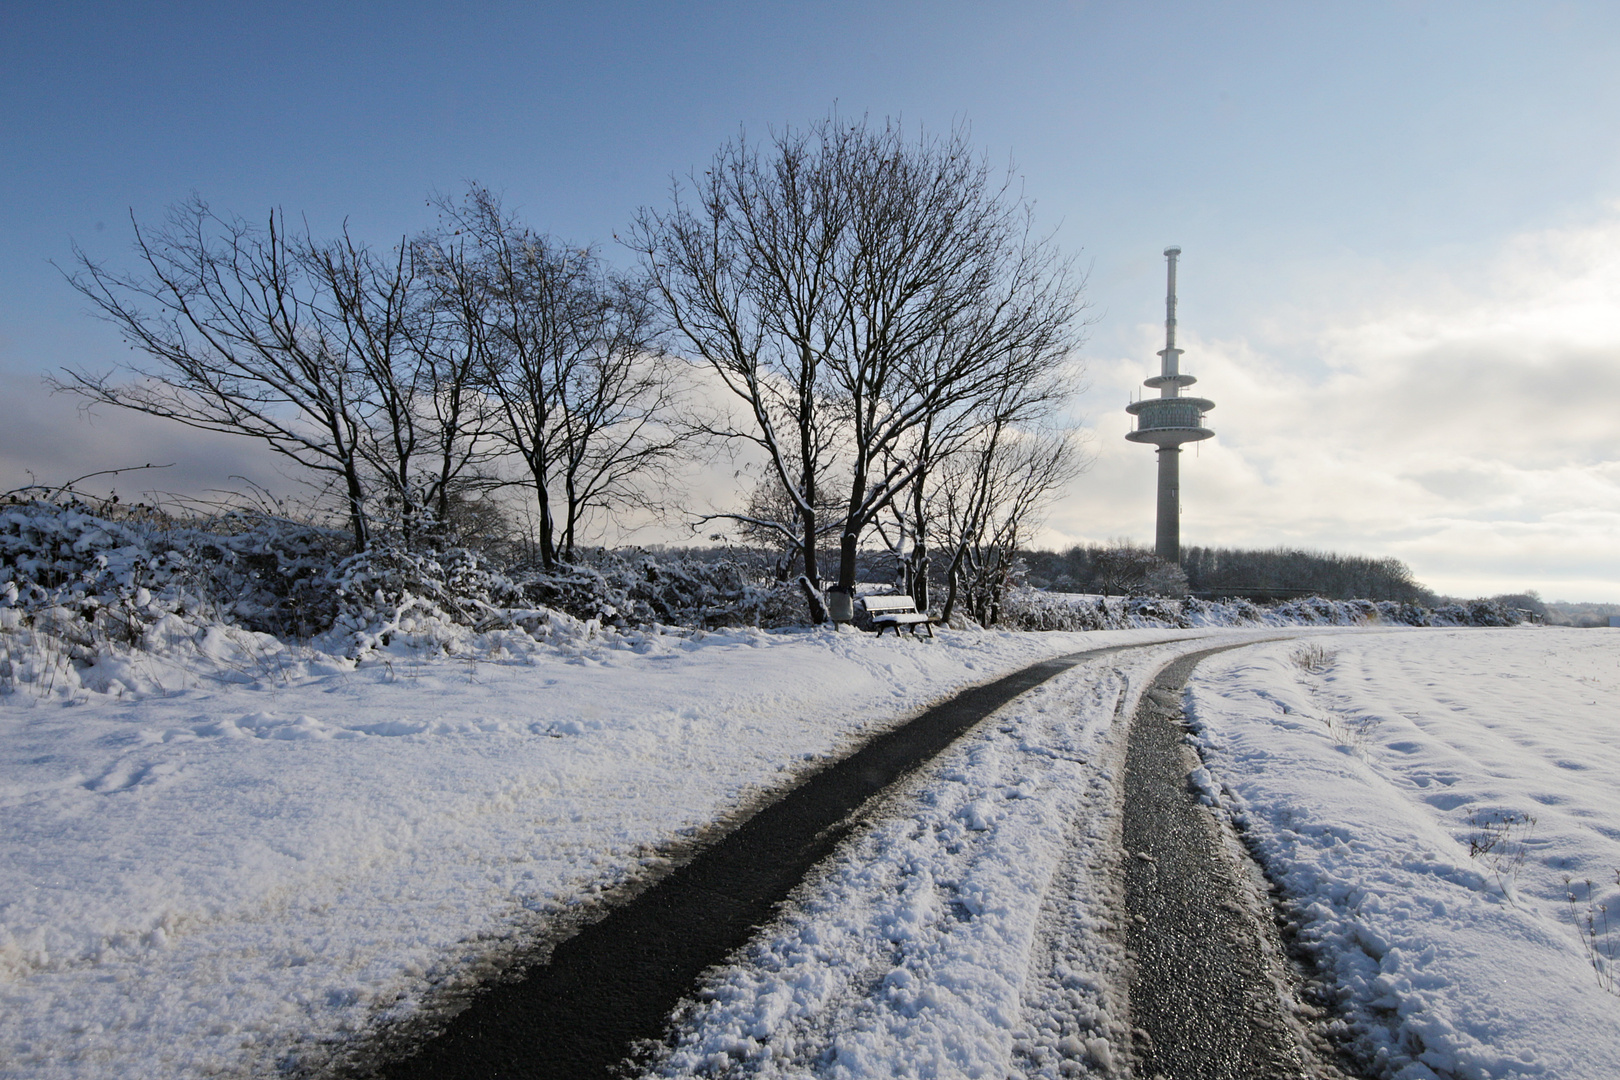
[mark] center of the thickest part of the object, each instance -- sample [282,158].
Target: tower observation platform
[1167,422]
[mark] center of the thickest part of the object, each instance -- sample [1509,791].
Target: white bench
[897,611]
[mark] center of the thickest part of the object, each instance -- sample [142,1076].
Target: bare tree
[452,345]
[862,295]
[771,519]
[990,428]
[990,496]
[746,272]
[424,430]
[618,432]
[1128,569]
[225,313]
[957,310]
[582,398]
[329,352]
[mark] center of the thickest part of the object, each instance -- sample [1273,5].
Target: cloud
[50,438]
[1466,422]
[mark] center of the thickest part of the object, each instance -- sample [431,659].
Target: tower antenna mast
[1167,421]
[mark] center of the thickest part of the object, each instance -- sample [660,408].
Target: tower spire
[1170,254]
[1168,421]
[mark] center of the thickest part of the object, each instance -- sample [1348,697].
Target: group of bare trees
[895,336]
[892,337]
[475,356]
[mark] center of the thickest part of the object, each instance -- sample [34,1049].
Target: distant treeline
[1562,612]
[1275,573]
[1326,574]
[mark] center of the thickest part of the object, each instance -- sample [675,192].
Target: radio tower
[1167,421]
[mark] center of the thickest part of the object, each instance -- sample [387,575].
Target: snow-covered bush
[51,555]
[84,588]
[645,588]
[76,582]
[691,592]
[390,589]
[267,574]
[431,597]
[1033,609]
[1478,613]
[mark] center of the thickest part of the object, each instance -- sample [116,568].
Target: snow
[970,929]
[1441,810]
[224,855]
[215,866]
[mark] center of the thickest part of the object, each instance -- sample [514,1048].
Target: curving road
[1206,999]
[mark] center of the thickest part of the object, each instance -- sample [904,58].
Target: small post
[841,604]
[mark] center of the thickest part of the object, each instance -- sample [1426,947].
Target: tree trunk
[995,593]
[357,507]
[810,580]
[846,560]
[573,517]
[953,580]
[548,527]
[919,575]
[919,521]
[812,597]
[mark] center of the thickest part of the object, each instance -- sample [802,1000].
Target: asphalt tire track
[1212,995]
[614,985]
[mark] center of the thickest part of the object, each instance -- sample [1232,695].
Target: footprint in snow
[128,777]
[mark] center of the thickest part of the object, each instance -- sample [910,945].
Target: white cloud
[50,438]
[1468,423]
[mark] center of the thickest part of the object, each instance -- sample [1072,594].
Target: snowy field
[218,875]
[1442,807]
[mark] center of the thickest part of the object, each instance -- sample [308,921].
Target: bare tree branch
[867,298]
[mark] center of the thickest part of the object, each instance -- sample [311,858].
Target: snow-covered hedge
[644,589]
[427,596]
[1034,609]
[78,586]
[263,573]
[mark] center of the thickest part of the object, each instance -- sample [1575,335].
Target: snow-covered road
[214,876]
[969,926]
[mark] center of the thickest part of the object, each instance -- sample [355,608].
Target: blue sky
[1396,218]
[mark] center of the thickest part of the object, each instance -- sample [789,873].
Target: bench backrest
[878,604]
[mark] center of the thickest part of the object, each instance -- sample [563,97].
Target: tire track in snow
[615,984]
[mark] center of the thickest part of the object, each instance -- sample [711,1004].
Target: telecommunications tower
[1167,421]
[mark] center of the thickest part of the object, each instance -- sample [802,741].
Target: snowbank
[1036,609]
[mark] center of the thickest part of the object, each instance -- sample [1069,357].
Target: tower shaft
[1167,531]
[1167,536]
